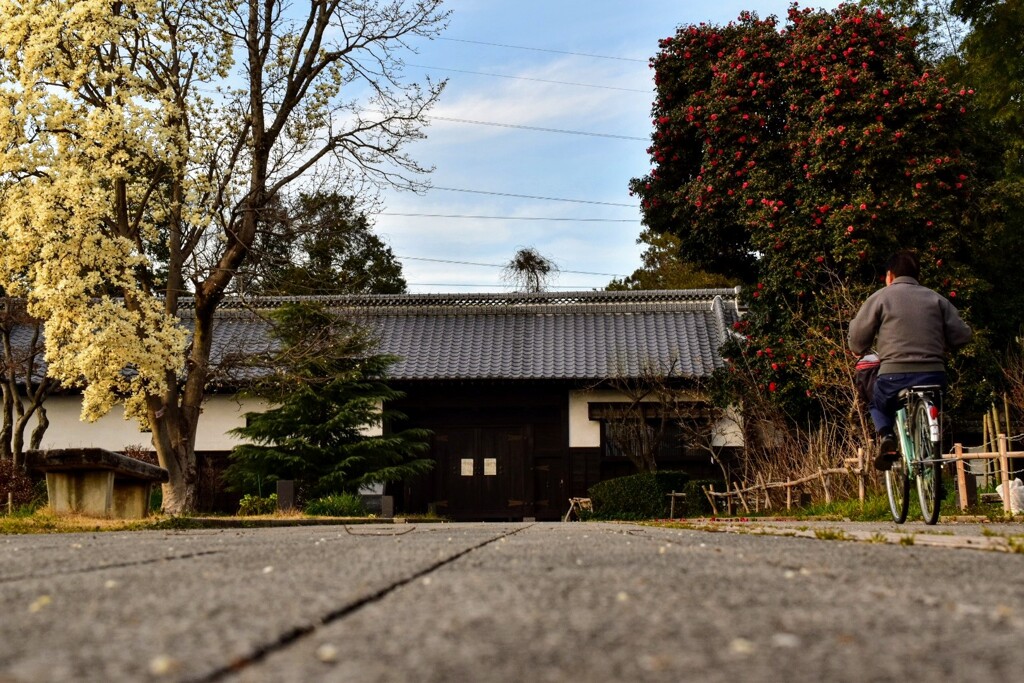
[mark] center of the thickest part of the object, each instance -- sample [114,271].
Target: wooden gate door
[483,471]
[549,489]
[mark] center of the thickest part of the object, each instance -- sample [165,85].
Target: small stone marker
[285,494]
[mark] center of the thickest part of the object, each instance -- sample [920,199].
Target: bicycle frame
[919,427]
[931,395]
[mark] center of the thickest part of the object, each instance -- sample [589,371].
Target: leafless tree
[23,384]
[530,271]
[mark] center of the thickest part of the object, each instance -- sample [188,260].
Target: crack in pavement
[291,636]
[104,567]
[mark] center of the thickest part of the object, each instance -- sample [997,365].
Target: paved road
[503,602]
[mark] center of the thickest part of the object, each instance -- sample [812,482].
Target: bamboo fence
[758,493]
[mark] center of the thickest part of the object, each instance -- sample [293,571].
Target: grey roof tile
[570,336]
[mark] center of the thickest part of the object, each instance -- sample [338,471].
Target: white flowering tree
[139,143]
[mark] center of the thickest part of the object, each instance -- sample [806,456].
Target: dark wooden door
[549,487]
[482,470]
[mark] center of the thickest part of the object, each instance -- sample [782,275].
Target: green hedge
[696,503]
[638,496]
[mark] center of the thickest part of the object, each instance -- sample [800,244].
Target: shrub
[696,503]
[337,505]
[140,452]
[14,480]
[638,496]
[254,505]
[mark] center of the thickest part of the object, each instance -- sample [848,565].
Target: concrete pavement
[506,602]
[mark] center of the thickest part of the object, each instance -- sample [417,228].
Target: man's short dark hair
[904,263]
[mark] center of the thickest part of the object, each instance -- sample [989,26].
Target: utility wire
[497,265]
[541,49]
[530,196]
[576,288]
[525,78]
[511,218]
[544,130]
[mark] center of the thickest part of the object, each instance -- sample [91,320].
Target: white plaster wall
[112,432]
[586,433]
[728,431]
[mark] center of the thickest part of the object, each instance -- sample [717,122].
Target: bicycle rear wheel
[929,474]
[897,486]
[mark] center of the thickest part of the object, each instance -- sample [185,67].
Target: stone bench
[96,482]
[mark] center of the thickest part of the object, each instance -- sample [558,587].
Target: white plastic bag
[1016,495]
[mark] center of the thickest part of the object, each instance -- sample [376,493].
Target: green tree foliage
[797,160]
[320,244]
[327,386]
[663,269]
[981,43]
[994,56]
[936,29]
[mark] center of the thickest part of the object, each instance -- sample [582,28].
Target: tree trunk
[174,438]
[174,417]
[9,393]
[6,425]
[42,423]
[174,441]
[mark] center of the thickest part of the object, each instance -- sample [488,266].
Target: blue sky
[544,87]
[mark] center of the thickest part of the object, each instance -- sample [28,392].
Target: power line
[576,288]
[497,265]
[530,196]
[544,130]
[510,218]
[525,78]
[541,49]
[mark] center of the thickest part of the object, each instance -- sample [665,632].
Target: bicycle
[919,433]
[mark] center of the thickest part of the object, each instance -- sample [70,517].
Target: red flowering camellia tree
[797,158]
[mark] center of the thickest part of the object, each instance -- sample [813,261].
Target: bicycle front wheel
[929,473]
[897,486]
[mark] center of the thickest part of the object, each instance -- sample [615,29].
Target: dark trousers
[885,401]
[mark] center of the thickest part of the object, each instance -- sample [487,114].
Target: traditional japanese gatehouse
[523,392]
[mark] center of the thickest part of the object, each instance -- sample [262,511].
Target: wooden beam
[1004,465]
[961,476]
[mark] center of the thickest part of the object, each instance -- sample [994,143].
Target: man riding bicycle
[914,326]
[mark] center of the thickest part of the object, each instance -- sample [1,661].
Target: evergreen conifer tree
[326,387]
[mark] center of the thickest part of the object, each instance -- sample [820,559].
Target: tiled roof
[577,336]
[565,336]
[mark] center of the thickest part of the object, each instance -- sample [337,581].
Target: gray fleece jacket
[914,326]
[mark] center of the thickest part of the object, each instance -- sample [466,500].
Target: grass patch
[875,508]
[831,535]
[422,518]
[44,522]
